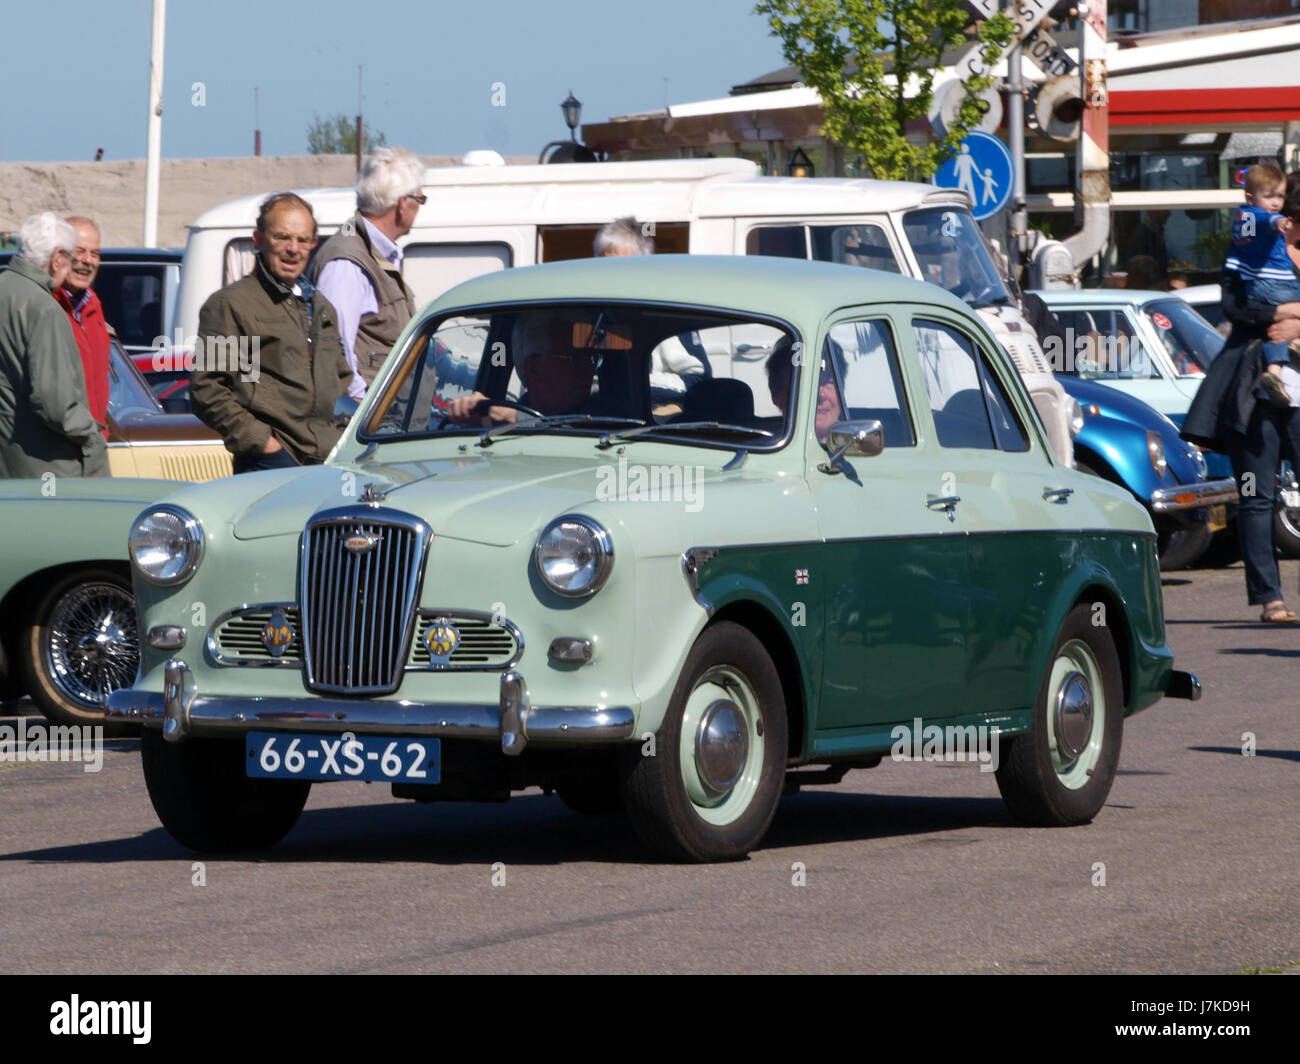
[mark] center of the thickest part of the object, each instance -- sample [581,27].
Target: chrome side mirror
[853,439]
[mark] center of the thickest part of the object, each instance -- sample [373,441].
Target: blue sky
[77,72]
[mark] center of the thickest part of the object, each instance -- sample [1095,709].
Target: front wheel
[80,644]
[1060,771]
[707,788]
[207,803]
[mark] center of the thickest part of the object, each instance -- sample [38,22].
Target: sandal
[1277,614]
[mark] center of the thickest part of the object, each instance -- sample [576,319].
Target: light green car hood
[490,499]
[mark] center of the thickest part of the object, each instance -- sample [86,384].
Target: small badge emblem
[362,542]
[441,639]
[278,634]
[801,576]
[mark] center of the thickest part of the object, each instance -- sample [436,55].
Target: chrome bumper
[1183,685]
[1193,496]
[513,722]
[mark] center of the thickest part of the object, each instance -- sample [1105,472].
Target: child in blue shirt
[1259,254]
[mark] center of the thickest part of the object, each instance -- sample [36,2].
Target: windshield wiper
[609,439]
[487,438]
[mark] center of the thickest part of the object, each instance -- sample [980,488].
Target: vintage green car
[68,633]
[651,532]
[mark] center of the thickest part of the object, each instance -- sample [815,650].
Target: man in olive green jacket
[269,363]
[45,422]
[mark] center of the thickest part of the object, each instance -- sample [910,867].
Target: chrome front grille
[358,605]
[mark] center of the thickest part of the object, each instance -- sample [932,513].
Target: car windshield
[596,369]
[951,252]
[1192,342]
[127,390]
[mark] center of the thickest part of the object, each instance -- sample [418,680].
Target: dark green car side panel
[767,576]
[896,619]
[863,655]
[1022,586]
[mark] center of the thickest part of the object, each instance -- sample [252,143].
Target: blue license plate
[281,755]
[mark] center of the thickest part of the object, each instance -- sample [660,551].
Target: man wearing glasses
[359,268]
[269,363]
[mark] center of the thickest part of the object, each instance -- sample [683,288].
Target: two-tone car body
[844,520]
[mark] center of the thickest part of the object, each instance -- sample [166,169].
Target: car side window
[954,387]
[1007,429]
[865,365]
[1102,346]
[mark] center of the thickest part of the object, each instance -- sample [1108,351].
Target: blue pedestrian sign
[982,169]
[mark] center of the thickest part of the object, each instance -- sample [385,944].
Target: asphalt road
[905,868]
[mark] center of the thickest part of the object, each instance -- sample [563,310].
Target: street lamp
[799,165]
[572,108]
[569,151]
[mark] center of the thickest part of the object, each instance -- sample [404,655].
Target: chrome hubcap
[721,746]
[1073,714]
[93,647]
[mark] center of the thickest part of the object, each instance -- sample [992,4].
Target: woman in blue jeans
[1229,414]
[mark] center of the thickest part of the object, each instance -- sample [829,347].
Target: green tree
[873,63]
[337,135]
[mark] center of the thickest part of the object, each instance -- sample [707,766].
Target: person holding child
[1247,404]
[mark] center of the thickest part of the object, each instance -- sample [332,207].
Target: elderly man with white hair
[45,422]
[359,268]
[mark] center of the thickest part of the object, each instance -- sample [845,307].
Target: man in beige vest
[359,268]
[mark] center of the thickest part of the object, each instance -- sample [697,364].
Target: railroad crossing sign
[982,169]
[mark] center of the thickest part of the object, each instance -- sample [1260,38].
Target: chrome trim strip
[1207,493]
[258,663]
[693,560]
[206,444]
[182,711]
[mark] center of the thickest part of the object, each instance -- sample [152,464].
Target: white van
[483,218]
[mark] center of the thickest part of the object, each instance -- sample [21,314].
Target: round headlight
[574,556]
[1156,449]
[165,544]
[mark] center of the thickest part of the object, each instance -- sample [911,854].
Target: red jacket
[92,341]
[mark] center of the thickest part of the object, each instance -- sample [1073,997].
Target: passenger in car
[557,377]
[780,366]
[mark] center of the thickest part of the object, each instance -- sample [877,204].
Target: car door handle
[947,502]
[1060,496]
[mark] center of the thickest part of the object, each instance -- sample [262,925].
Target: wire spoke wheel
[81,645]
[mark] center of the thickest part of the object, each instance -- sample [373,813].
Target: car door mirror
[853,439]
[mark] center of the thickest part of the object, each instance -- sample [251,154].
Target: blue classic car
[1130,443]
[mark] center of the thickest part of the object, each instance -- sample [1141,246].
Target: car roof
[791,289]
[1111,296]
[1200,293]
[578,193]
[167,255]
